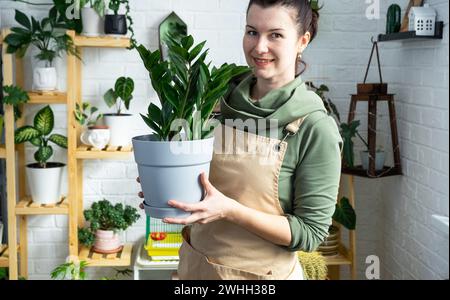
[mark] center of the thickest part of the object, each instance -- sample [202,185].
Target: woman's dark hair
[307,18]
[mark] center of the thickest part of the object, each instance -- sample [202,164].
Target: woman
[262,207]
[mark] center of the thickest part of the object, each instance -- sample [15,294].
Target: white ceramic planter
[45,184]
[45,79]
[1,232]
[93,24]
[379,160]
[106,241]
[171,170]
[119,128]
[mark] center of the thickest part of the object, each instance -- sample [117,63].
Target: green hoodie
[311,169]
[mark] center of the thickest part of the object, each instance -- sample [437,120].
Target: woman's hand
[141,195]
[214,207]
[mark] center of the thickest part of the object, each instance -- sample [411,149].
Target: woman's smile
[263,62]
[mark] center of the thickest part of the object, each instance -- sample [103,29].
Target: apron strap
[291,129]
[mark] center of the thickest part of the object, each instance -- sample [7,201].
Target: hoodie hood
[285,104]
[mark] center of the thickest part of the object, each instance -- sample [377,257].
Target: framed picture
[405,20]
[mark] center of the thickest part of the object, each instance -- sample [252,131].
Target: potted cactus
[44,177]
[171,159]
[105,220]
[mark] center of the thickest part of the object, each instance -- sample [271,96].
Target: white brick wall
[393,213]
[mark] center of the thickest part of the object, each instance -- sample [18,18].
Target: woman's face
[272,43]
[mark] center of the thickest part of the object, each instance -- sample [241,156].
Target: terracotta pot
[107,241]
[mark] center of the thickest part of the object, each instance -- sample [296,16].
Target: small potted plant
[345,215]
[50,41]
[93,134]
[92,16]
[105,220]
[72,270]
[348,132]
[119,123]
[44,177]
[171,159]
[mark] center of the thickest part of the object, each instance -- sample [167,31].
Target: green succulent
[40,135]
[186,88]
[105,216]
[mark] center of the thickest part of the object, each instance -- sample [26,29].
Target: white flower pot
[45,79]
[93,24]
[45,184]
[379,160]
[120,129]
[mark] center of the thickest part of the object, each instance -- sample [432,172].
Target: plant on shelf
[348,132]
[117,23]
[44,177]
[13,95]
[86,114]
[119,122]
[92,14]
[188,91]
[47,38]
[70,270]
[105,220]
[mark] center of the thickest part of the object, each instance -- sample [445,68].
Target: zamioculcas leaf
[44,120]
[43,154]
[25,134]
[22,19]
[59,140]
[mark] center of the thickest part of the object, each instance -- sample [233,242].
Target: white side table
[143,264]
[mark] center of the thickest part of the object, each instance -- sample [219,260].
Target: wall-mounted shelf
[101,41]
[411,35]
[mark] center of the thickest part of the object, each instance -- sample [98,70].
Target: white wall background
[393,213]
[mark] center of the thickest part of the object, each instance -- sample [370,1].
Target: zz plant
[186,88]
[40,134]
[105,216]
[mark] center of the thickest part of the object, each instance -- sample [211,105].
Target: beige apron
[247,171]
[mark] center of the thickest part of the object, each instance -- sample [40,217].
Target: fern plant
[40,134]
[186,88]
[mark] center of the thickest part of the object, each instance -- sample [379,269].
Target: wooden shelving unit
[347,251]
[72,204]
[77,153]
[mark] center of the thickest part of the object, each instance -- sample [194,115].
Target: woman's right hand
[140,195]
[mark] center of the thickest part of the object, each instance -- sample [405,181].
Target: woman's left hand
[214,207]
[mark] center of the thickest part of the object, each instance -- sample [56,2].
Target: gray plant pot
[171,170]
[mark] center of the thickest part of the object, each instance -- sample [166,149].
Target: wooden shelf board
[411,35]
[342,258]
[102,41]
[109,152]
[28,207]
[2,151]
[56,97]
[359,171]
[120,259]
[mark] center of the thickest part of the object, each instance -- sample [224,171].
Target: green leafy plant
[70,270]
[348,130]
[315,5]
[122,92]
[44,35]
[345,214]
[14,95]
[40,135]
[186,88]
[98,5]
[105,216]
[119,273]
[114,5]
[86,114]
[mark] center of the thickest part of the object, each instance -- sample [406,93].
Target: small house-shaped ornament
[422,20]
